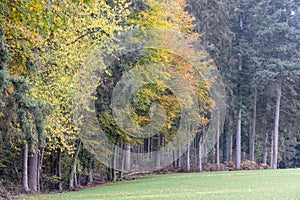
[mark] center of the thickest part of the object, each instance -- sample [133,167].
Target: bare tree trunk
[114,164]
[238,141]
[40,168]
[91,172]
[25,168]
[265,149]
[276,124]
[239,122]
[73,177]
[253,133]
[200,154]
[188,162]
[272,148]
[60,188]
[123,159]
[205,159]
[230,138]
[127,157]
[149,148]
[156,142]
[218,142]
[174,158]
[179,158]
[33,169]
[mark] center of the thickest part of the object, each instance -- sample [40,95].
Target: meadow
[265,184]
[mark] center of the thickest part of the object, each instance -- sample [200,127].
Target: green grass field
[268,184]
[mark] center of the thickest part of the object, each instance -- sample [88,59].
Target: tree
[277,52]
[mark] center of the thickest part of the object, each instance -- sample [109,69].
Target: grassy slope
[269,184]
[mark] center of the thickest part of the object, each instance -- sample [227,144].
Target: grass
[267,184]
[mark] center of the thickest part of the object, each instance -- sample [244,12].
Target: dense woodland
[250,48]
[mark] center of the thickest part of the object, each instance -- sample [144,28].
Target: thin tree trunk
[73,177]
[157,152]
[205,159]
[230,139]
[253,133]
[149,148]
[174,159]
[60,188]
[127,157]
[25,168]
[40,168]
[179,158]
[218,142]
[238,141]
[188,161]
[33,169]
[123,159]
[272,148]
[114,164]
[265,149]
[239,121]
[200,154]
[276,124]
[225,144]
[91,171]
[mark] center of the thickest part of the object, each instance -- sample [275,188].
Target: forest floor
[260,184]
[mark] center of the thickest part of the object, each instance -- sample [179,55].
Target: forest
[93,91]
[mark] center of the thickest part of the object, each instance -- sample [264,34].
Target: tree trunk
[73,177]
[200,154]
[149,149]
[188,161]
[60,188]
[265,149]
[272,148]
[156,141]
[33,169]
[127,157]
[238,142]
[25,168]
[276,124]
[253,132]
[174,159]
[225,144]
[40,167]
[230,139]
[205,159]
[179,158]
[114,164]
[218,142]
[91,172]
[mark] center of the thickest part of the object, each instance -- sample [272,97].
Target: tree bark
[272,148]
[225,144]
[60,188]
[40,165]
[253,132]
[276,124]
[33,169]
[238,141]
[127,157]
[114,164]
[179,158]
[200,154]
[91,172]
[265,149]
[156,141]
[230,139]
[188,161]
[218,142]
[25,168]
[73,177]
